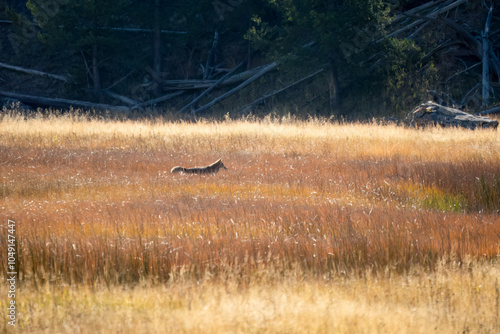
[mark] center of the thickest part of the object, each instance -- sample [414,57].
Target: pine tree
[347,35]
[81,28]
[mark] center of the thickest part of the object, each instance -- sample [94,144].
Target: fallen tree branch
[263,71]
[62,103]
[121,79]
[430,113]
[442,98]
[202,84]
[191,84]
[421,20]
[465,99]
[416,10]
[147,30]
[120,98]
[476,47]
[464,35]
[33,72]
[417,31]
[211,88]
[440,47]
[464,71]
[265,97]
[491,111]
[158,100]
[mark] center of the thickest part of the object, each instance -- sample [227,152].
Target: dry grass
[446,301]
[315,206]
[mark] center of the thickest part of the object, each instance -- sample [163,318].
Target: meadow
[316,226]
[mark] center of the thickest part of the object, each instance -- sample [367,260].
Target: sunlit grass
[416,303]
[450,300]
[285,136]
[96,205]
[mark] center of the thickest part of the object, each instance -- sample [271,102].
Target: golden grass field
[316,227]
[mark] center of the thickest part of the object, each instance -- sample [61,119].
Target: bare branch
[120,98]
[148,30]
[266,69]
[421,19]
[34,72]
[467,68]
[158,100]
[62,103]
[211,88]
[265,97]
[443,46]
[491,111]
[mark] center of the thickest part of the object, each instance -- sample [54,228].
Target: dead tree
[486,60]
[265,70]
[62,103]
[34,72]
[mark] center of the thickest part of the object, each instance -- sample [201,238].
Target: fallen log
[11,104]
[430,113]
[146,30]
[33,72]
[491,111]
[158,100]
[62,103]
[194,84]
[191,84]
[120,98]
[265,97]
[257,75]
[211,88]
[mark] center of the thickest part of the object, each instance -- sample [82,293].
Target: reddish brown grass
[94,201]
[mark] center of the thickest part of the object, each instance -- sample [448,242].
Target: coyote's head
[217,165]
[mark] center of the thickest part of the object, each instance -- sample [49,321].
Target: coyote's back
[210,169]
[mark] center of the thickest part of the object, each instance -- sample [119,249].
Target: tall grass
[445,301]
[94,200]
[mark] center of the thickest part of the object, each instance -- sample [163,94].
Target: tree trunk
[334,88]
[211,59]
[96,77]
[95,69]
[486,59]
[157,49]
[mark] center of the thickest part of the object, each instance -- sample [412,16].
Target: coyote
[210,169]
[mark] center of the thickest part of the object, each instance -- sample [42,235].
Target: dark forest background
[358,58]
